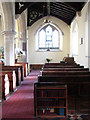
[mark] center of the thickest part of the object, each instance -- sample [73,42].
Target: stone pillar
[9,47]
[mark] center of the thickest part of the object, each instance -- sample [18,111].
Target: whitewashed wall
[36,57]
[82,21]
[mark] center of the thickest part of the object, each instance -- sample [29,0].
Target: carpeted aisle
[20,105]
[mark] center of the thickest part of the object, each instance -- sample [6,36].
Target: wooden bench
[48,97]
[61,66]
[12,79]
[17,71]
[78,90]
[22,70]
[77,79]
[69,80]
[64,73]
[4,86]
[65,69]
[65,79]
[25,65]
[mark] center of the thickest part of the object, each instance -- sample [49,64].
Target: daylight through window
[50,38]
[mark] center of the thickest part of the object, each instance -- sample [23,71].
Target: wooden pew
[4,86]
[77,79]
[25,65]
[78,89]
[65,79]
[22,70]
[65,69]
[62,66]
[12,79]
[50,96]
[64,73]
[17,71]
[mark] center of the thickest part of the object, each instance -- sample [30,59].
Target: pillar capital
[11,33]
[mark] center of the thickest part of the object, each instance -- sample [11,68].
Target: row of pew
[77,79]
[11,77]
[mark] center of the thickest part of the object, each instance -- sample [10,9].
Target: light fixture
[48,13]
[46,21]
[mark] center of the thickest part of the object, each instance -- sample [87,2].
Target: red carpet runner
[21,103]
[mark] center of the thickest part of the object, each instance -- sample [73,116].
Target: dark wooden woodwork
[22,70]
[62,65]
[50,100]
[66,79]
[2,88]
[65,69]
[65,11]
[78,89]
[17,71]
[11,78]
[36,66]
[25,65]
[3,81]
[77,79]
[64,73]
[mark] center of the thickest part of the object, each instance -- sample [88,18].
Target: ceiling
[65,11]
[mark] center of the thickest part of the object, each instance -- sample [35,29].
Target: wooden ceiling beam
[62,15]
[62,11]
[76,5]
[65,5]
[61,18]
[68,10]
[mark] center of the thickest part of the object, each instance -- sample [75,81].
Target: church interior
[45,60]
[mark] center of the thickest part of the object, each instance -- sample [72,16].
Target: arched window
[49,38]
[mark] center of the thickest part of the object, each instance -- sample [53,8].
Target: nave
[20,105]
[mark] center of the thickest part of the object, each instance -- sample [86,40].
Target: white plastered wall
[36,57]
[82,21]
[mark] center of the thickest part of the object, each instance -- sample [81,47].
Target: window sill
[49,50]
